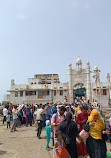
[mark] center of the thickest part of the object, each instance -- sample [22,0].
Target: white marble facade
[45,88]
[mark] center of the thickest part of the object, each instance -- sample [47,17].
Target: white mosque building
[45,88]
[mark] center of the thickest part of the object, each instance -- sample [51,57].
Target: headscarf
[68,118]
[47,122]
[96,131]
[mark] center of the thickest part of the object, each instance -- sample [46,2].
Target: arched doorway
[79,90]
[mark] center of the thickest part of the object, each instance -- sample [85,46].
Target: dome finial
[88,63]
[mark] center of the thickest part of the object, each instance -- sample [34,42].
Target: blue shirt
[48,111]
[28,112]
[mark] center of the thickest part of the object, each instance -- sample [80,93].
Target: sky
[43,36]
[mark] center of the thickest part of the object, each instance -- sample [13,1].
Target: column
[88,87]
[70,83]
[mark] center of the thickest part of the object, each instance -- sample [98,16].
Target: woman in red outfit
[81,147]
[82,116]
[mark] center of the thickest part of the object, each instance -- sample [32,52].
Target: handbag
[83,135]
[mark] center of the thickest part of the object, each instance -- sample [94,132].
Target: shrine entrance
[79,90]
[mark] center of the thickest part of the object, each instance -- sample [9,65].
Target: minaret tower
[108,78]
[88,85]
[70,83]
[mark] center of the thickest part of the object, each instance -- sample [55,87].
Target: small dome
[88,63]
[95,68]
[70,64]
[78,61]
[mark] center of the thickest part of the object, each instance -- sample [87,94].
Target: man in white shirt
[5,111]
[40,117]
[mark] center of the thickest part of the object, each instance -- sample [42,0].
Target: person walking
[20,115]
[14,112]
[28,116]
[48,111]
[69,132]
[54,109]
[76,110]
[5,111]
[57,118]
[8,119]
[96,146]
[48,132]
[82,116]
[40,117]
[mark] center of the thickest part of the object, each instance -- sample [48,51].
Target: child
[60,150]
[81,148]
[48,132]
[8,119]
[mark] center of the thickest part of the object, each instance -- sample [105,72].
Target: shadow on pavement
[2,152]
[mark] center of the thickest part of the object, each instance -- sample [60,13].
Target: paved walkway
[23,143]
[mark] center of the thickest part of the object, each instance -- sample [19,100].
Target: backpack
[20,113]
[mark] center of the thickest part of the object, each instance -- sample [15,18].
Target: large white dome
[95,68]
[78,61]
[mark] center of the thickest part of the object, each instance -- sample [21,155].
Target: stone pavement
[23,143]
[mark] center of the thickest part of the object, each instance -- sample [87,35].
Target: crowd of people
[77,130]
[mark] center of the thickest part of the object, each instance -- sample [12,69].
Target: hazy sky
[43,36]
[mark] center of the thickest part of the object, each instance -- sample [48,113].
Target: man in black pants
[29,116]
[40,117]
